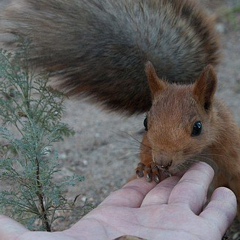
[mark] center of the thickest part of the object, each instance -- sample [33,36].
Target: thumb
[221,209]
[10,229]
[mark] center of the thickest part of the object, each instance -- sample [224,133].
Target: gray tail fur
[98,49]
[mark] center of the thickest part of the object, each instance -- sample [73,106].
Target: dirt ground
[105,148]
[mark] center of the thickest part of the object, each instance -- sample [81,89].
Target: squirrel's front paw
[150,171]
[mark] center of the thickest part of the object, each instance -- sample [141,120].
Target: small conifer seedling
[30,122]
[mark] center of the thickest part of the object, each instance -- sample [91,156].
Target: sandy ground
[105,148]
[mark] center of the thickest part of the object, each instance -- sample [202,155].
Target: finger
[130,195]
[160,194]
[10,229]
[192,188]
[221,210]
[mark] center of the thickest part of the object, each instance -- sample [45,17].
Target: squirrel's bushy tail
[98,49]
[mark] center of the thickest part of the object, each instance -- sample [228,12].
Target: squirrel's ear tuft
[156,85]
[205,87]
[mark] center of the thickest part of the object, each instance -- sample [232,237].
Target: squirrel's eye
[145,123]
[197,129]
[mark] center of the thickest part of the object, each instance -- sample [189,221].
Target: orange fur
[169,146]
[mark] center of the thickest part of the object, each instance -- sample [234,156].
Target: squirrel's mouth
[180,168]
[172,169]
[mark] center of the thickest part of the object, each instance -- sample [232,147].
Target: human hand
[171,210]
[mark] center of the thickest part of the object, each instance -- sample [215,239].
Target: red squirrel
[99,49]
[185,124]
